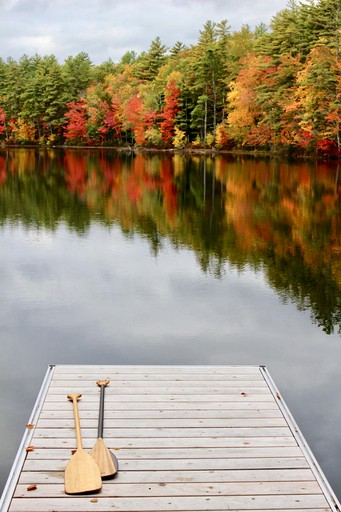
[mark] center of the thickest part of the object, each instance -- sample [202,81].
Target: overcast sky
[109,28]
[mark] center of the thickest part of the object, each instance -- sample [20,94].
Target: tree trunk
[214,89]
[205,122]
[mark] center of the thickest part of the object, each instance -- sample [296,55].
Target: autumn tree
[319,95]
[76,118]
[134,113]
[244,111]
[275,95]
[23,131]
[2,122]
[170,108]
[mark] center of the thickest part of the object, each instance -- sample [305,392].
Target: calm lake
[164,259]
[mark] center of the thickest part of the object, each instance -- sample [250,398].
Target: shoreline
[185,151]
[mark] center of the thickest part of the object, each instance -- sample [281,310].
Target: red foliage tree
[2,121]
[139,118]
[112,124]
[75,128]
[135,116]
[170,110]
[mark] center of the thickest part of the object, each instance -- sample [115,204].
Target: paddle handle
[74,398]
[102,384]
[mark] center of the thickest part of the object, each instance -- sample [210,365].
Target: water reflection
[279,217]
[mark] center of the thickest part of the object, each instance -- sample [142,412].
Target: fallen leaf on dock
[94,500]
[30,425]
[31,487]
[29,448]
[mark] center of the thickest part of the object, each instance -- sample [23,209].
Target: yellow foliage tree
[23,131]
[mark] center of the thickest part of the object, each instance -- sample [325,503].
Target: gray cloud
[107,28]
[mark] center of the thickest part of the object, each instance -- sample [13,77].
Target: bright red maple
[75,128]
[2,121]
[135,116]
[170,110]
[112,122]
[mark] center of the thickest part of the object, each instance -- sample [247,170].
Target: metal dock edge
[316,469]
[19,460]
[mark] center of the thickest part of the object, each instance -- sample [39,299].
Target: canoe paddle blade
[82,475]
[105,459]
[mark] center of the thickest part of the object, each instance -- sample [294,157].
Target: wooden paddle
[82,474]
[103,457]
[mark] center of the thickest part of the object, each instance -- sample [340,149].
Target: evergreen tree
[151,62]
[208,66]
[177,49]
[239,44]
[12,89]
[77,75]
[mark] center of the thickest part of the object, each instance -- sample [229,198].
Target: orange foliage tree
[244,110]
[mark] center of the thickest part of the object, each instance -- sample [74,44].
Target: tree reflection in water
[267,214]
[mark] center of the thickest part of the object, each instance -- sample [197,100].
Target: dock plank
[180,464]
[187,438]
[150,489]
[179,504]
[161,476]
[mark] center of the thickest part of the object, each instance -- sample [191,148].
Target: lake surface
[109,258]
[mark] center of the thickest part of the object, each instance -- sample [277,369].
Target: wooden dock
[187,438]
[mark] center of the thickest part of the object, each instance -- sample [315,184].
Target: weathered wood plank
[156,391]
[161,476]
[239,396]
[115,423]
[200,503]
[155,369]
[171,414]
[116,386]
[184,405]
[45,447]
[181,489]
[178,464]
[151,433]
[186,378]
[197,455]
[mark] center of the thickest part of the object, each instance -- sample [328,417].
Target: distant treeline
[276,88]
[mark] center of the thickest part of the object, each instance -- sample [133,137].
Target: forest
[275,88]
